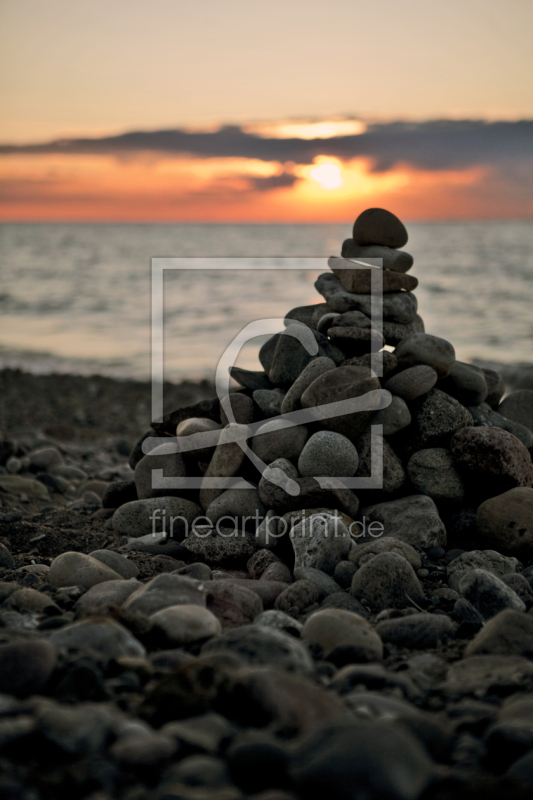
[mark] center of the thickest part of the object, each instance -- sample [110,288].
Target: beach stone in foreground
[110,593]
[317,367]
[320,541]
[422,348]
[484,674]
[184,624]
[381,227]
[256,646]
[125,567]
[488,560]
[328,454]
[466,383]
[417,631]
[342,636]
[506,521]
[279,439]
[380,759]
[172,465]
[231,604]
[508,633]
[166,590]
[436,419]
[100,634]
[386,544]
[393,418]
[488,594]
[146,516]
[415,520]
[26,666]
[387,581]
[78,569]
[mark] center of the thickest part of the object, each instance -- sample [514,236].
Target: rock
[308,315]
[45,458]
[266,533]
[484,416]
[260,561]
[279,439]
[297,597]
[488,594]
[19,485]
[232,604]
[345,602]
[518,407]
[269,401]
[344,572]
[396,332]
[359,281]
[387,544]
[163,591]
[242,407]
[121,565]
[508,633]
[414,520]
[342,637]
[317,367]
[432,473]
[179,626]
[192,426]
[344,383]
[393,476]
[78,569]
[310,495]
[495,387]
[520,585]
[277,572]
[235,504]
[250,379]
[437,418]
[198,570]
[26,666]
[206,733]
[324,584]
[266,590]
[494,459]
[221,547]
[110,593]
[118,493]
[172,515]
[100,634]
[422,348]
[27,599]
[506,521]
[396,306]
[80,730]
[171,464]
[488,674]
[328,454]
[280,621]
[256,645]
[466,383]
[387,581]
[417,631]
[388,362]
[361,759]
[395,260]
[412,382]
[226,460]
[378,226]
[143,750]
[393,418]
[6,559]
[320,541]
[488,560]
[291,356]
[356,341]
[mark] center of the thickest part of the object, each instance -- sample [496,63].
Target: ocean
[76,298]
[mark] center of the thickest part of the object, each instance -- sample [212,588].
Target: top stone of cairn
[378,226]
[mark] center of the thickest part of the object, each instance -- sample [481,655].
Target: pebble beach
[293,637]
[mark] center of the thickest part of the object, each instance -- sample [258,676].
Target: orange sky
[305,70]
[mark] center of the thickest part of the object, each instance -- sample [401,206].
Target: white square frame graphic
[158,267]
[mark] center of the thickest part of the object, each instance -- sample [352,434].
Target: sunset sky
[292,110]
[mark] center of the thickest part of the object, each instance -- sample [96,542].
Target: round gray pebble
[328,454]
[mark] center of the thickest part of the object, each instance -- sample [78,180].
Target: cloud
[432,145]
[282,181]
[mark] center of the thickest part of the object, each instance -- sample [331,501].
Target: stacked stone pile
[287,636]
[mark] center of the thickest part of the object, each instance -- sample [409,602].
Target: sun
[328,176]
